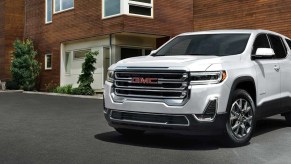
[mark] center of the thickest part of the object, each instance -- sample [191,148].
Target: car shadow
[269,124]
[185,142]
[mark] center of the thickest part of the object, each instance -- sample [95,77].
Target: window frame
[46,60]
[141,4]
[253,57]
[283,44]
[46,12]
[124,9]
[256,39]
[78,50]
[61,7]
[110,16]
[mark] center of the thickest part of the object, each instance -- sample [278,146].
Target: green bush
[86,78]
[11,85]
[67,89]
[24,67]
[83,91]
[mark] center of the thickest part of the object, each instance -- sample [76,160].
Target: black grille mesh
[161,119]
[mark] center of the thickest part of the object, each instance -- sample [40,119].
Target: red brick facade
[170,18]
[243,14]
[85,21]
[11,27]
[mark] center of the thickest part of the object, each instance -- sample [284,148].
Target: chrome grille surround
[168,85]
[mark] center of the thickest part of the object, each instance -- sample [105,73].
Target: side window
[288,42]
[277,46]
[260,42]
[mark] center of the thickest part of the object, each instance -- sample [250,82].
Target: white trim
[61,11]
[46,12]
[138,15]
[112,16]
[61,7]
[141,4]
[144,5]
[124,9]
[45,61]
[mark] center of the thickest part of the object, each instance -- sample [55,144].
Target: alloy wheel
[241,118]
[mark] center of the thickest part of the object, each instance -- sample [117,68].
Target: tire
[288,118]
[129,132]
[240,122]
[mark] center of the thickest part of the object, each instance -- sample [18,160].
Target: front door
[268,79]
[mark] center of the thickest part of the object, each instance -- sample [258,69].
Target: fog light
[209,112]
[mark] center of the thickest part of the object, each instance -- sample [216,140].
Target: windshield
[206,44]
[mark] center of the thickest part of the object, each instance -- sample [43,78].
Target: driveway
[51,129]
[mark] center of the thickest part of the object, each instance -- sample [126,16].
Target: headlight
[200,78]
[110,76]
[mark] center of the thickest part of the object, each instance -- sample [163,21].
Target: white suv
[203,83]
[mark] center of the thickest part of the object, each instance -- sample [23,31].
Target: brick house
[64,30]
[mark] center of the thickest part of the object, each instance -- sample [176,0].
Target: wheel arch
[246,83]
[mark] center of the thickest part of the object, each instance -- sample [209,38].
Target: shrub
[67,89]
[83,91]
[24,67]
[11,85]
[86,78]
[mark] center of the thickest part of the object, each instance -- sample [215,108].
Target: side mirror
[265,52]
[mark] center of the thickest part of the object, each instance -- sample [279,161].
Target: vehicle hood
[197,63]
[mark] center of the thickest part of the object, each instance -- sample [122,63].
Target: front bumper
[193,127]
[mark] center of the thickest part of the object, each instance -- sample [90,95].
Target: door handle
[277,68]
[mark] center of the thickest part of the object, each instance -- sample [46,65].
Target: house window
[80,54]
[49,11]
[63,5]
[128,7]
[141,7]
[48,61]
[111,7]
[68,62]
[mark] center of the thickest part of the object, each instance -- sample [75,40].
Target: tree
[86,78]
[24,67]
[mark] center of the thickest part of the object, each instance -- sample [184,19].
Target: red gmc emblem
[141,80]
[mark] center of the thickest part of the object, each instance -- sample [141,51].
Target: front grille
[164,85]
[150,118]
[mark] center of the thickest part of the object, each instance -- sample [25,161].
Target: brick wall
[11,28]
[85,21]
[2,38]
[272,15]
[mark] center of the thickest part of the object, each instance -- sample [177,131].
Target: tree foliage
[24,67]
[86,78]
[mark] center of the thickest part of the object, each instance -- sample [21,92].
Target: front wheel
[241,119]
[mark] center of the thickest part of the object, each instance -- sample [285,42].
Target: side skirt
[274,107]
